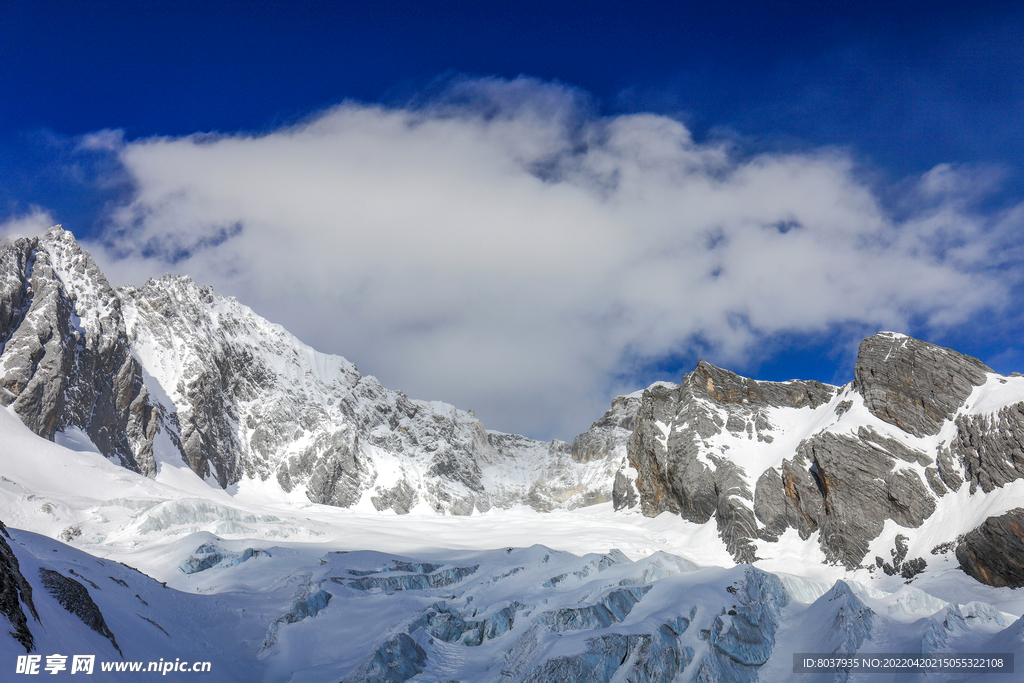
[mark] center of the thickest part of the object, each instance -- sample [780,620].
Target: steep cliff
[65,360]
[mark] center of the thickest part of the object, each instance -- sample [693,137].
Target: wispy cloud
[503,247]
[36,221]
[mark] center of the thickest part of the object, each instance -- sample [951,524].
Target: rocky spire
[65,360]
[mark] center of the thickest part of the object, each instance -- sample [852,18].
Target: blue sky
[907,118]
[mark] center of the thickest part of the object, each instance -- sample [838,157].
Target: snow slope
[279,590]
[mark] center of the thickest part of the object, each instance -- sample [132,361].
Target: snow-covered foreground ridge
[704,530]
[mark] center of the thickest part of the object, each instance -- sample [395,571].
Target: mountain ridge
[205,379]
[298,518]
[916,423]
[169,371]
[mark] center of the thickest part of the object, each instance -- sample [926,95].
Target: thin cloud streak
[504,248]
[35,222]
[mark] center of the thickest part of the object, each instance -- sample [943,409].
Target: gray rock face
[64,357]
[399,498]
[991,447]
[914,385]
[15,591]
[607,437]
[603,448]
[341,474]
[845,487]
[845,476]
[677,469]
[250,400]
[993,553]
[75,598]
[624,493]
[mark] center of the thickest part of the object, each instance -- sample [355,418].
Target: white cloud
[36,222]
[506,250]
[106,140]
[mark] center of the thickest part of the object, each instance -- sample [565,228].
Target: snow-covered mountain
[170,370]
[287,507]
[282,592]
[903,451]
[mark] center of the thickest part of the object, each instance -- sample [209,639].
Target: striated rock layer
[15,594]
[993,553]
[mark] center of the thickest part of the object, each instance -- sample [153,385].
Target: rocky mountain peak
[912,384]
[170,370]
[725,387]
[689,443]
[607,436]
[759,458]
[64,359]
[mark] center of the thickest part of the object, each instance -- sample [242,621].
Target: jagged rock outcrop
[993,553]
[839,461]
[15,591]
[991,447]
[171,365]
[907,568]
[607,437]
[678,468]
[624,493]
[250,400]
[75,598]
[64,358]
[914,385]
[603,447]
[845,487]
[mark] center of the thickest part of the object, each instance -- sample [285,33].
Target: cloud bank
[504,248]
